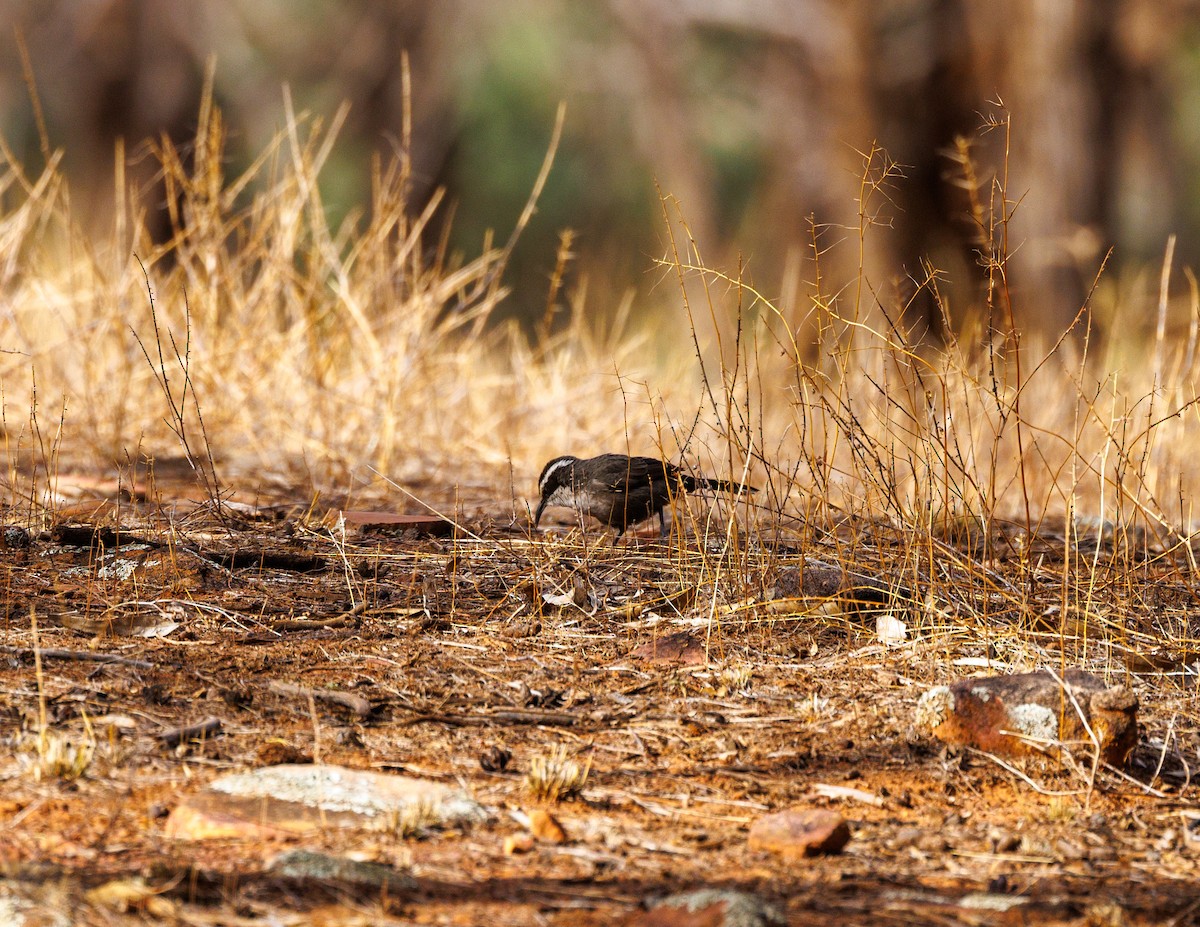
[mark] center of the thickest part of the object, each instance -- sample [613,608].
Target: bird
[619,490]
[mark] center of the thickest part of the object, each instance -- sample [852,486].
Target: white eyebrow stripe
[558,466]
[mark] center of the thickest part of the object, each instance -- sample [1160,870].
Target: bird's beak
[541,508]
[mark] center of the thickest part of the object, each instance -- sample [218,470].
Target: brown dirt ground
[457,653]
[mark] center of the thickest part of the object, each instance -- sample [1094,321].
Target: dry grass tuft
[413,820]
[554,777]
[60,755]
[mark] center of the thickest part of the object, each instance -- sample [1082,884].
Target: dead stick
[315,624]
[355,703]
[202,731]
[54,653]
[312,624]
[551,718]
[517,716]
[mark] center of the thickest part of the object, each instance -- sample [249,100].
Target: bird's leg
[662,523]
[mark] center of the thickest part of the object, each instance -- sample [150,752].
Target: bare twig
[358,705]
[201,731]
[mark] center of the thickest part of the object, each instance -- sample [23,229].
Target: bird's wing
[631,471]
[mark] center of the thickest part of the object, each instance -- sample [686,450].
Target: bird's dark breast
[620,510]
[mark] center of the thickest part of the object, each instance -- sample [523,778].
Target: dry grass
[322,359]
[554,776]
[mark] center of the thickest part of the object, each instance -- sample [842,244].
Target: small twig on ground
[205,729]
[360,706]
[1148,789]
[1162,756]
[347,619]
[53,653]
[842,791]
[1040,789]
[505,716]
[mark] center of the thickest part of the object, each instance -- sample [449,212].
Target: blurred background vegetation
[753,115]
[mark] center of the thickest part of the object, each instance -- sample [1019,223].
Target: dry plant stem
[49,457]
[459,527]
[1188,358]
[1040,789]
[726,410]
[41,688]
[35,99]
[356,704]
[1160,329]
[1162,754]
[1095,741]
[338,538]
[997,267]
[177,405]
[535,194]
[1144,787]
[562,258]
[86,656]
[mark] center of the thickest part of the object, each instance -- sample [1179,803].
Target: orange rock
[1025,713]
[544,826]
[799,833]
[680,647]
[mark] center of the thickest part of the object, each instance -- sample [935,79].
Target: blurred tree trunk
[1099,91]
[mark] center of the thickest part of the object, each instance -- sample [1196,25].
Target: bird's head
[556,484]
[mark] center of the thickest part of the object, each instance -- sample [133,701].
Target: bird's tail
[692,483]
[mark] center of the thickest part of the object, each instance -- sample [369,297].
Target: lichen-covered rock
[309,864]
[708,907]
[1026,713]
[288,800]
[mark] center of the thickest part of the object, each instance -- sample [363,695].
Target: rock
[929,842]
[308,864]
[283,800]
[544,826]
[800,832]
[932,843]
[819,579]
[708,907]
[51,904]
[981,712]
[518,630]
[14,537]
[990,901]
[121,894]
[680,647]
